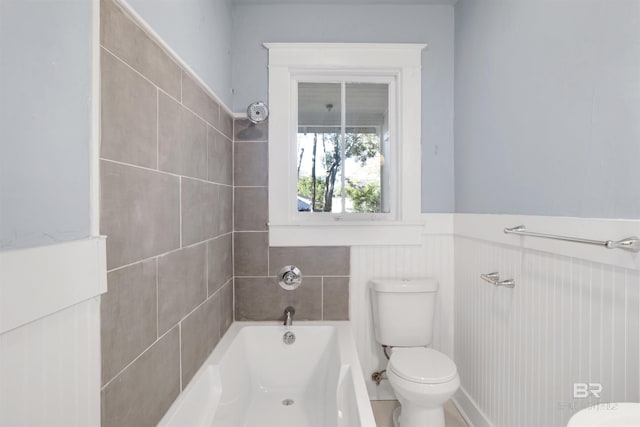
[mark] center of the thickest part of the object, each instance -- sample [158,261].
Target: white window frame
[293,62]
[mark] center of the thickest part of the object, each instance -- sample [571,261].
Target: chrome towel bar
[629,244]
[494,279]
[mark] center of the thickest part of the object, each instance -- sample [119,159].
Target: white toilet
[422,378]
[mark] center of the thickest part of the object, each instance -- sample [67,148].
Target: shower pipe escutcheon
[631,244]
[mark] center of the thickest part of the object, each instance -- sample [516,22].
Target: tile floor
[383,412]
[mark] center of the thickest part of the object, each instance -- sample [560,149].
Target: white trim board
[36,282]
[469,409]
[490,228]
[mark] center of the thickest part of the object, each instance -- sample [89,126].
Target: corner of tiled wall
[324,293]
[167,209]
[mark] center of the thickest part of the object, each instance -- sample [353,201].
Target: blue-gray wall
[547,107]
[199,31]
[45,100]
[254,24]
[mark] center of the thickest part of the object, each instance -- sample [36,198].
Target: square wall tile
[226,307]
[226,123]
[141,394]
[200,211]
[128,316]
[220,262]
[251,209]
[140,213]
[200,334]
[121,36]
[182,284]
[197,100]
[262,298]
[250,252]
[225,209]
[219,157]
[251,164]
[312,261]
[244,130]
[182,140]
[335,298]
[128,114]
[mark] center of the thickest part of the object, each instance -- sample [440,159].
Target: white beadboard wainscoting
[433,258]
[50,370]
[570,319]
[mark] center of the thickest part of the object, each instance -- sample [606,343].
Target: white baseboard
[469,410]
[36,282]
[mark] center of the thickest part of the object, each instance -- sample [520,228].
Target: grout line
[252,142]
[165,172]
[233,203]
[206,147]
[206,270]
[157,129]
[157,301]
[169,252]
[155,38]
[304,277]
[203,302]
[163,91]
[180,203]
[135,359]
[180,350]
[268,253]
[322,298]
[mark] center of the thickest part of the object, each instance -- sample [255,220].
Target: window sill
[346,234]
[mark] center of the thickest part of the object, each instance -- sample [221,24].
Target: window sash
[343,78]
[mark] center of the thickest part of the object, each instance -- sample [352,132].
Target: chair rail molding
[36,282]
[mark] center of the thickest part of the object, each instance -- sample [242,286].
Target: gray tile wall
[167,209]
[324,293]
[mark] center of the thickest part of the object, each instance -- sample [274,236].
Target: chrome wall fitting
[631,244]
[288,315]
[289,277]
[257,112]
[494,279]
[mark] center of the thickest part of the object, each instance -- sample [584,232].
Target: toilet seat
[422,365]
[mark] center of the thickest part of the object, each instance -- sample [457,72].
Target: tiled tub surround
[166,201]
[324,293]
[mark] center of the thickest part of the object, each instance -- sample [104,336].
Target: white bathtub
[252,373]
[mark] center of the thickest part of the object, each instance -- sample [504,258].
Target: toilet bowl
[423,380]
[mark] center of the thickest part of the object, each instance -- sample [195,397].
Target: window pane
[318,155]
[367,146]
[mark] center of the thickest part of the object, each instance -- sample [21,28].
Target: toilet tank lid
[423,284]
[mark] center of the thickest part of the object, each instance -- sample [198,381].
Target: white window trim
[288,60]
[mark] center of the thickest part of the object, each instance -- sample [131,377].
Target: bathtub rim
[346,348]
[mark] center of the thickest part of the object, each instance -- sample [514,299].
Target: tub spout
[288,315]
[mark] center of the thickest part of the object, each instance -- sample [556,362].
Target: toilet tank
[403,311]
